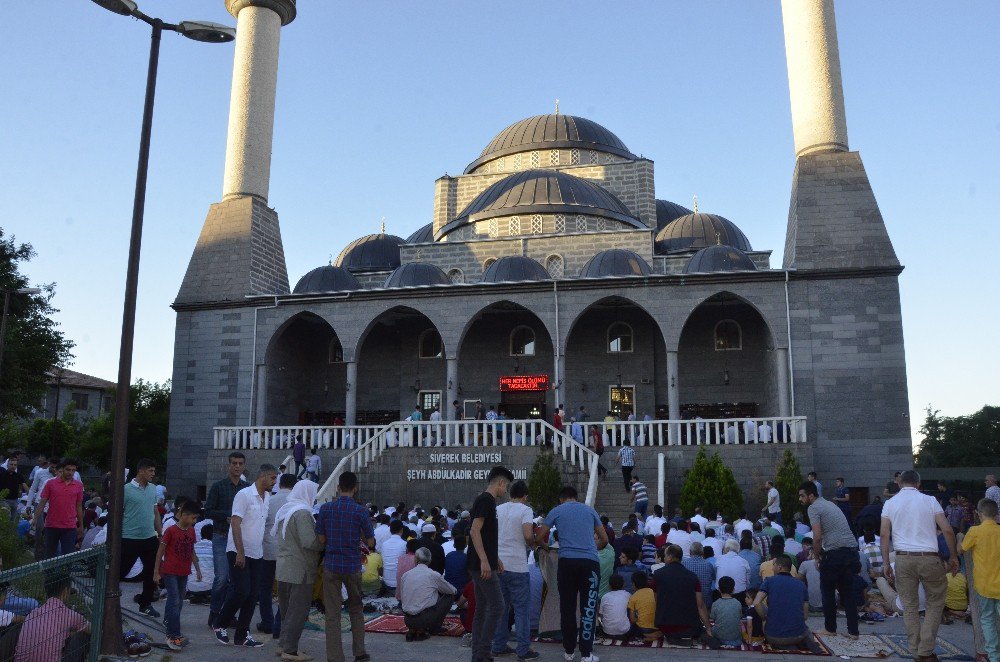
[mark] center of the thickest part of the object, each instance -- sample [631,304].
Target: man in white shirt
[392,548]
[763,432]
[681,538]
[992,489]
[739,526]
[244,550]
[425,598]
[700,519]
[282,469]
[911,520]
[314,466]
[41,464]
[515,535]
[773,506]
[381,531]
[749,431]
[656,521]
[731,564]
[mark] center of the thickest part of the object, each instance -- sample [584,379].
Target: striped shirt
[627,456]
[639,490]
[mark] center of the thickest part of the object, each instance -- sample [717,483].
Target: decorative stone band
[285,9]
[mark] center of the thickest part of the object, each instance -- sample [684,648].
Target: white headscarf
[301,498]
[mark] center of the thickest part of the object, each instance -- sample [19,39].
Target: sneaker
[467,640]
[138,649]
[530,655]
[590,658]
[174,643]
[506,651]
[569,657]
[222,636]
[250,642]
[149,612]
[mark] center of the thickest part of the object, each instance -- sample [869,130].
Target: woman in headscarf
[297,564]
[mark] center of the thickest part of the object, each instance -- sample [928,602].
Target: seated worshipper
[696,531]
[702,569]
[371,574]
[454,564]
[726,614]
[606,559]
[648,551]
[655,521]
[428,539]
[807,548]
[608,529]
[871,546]
[809,570]
[426,598]
[792,546]
[893,603]
[200,592]
[628,564]
[393,548]
[642,609]
[787,609]
[45,630]
[7,617]
[731,564]
[752,558]
[406,563]
[680,611]
[956,601]
[756,631]
[613,611]
[711,540]
[661,539]
[627,540]
[777,550]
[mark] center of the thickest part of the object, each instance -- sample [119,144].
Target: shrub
[787,479]
[711,484]
[544,482]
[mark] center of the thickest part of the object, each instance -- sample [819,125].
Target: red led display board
[524,383]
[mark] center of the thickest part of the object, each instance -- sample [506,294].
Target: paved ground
[393,648]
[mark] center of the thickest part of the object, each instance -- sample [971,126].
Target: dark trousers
[432,618]
[265,592]
[490,608]
[62,539]
[144,550]
[242,596]
[836,573]
[578,581]
[299,468]
[627,476]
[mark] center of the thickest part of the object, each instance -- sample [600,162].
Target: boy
[455,562]
[629,565]
[614,609]
[173,565]
[648,552]
[983,540]
[726,614]
[642,608]
[46,629]
[756,632]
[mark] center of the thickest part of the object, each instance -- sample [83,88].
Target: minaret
[239,252]
[833,220]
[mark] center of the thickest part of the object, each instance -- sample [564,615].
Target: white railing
[699,432]
[274,437]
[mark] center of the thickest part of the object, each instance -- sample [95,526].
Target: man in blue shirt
[579,574]
[343,524]
[787,609]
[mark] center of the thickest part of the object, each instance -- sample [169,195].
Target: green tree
[960,441]
[149,418]
[544,482]
[12,551]
[787,479]
[710,484]
[33,342]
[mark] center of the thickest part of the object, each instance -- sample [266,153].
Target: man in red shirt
[64,521]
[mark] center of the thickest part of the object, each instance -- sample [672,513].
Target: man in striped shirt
[640,497]
[626,458]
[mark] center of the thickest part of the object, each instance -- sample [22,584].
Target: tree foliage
[960,441]
[33,342]
[149,417]
[787,479]
[544,482]
[711,485]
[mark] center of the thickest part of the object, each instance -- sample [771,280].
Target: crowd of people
[569,573]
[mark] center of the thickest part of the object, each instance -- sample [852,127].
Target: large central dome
[552,132]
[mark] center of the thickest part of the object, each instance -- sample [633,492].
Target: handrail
[331,482]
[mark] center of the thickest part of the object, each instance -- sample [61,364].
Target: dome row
[615,262]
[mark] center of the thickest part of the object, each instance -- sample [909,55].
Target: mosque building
[551,273]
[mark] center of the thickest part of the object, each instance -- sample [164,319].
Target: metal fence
[58,605]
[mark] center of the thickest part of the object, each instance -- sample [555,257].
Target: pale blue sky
[377,99]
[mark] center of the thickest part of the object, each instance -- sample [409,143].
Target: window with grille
[517,162]
[493,228]
[554,265]
[554,157]
[514,226]
[581,223]
[536,159]
[560,223]
[456,276]
[602,224]
[593,157]
[536,224]
[574,157]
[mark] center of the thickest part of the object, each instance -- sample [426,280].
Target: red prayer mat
[394,624]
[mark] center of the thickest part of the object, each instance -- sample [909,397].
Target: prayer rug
[394,624]
[867,645]
[637,643]
[767,648]
[899,644]
[316,621]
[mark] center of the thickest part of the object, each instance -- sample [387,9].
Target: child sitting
[642,609]
[726,614]
[756,622]
[47,628]
[648,552]
[614,609]
[173,565]
[7,617]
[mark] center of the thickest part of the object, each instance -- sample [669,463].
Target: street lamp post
[111,633]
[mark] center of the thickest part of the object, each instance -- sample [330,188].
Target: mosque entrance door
[523,396]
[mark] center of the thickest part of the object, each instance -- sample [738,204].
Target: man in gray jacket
[268,565]
[298,550]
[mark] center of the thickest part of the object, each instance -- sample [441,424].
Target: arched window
[456,276]
[488,262]
[430,345]
[728,335]
[619,337]
[335,351]
[522,341]
[554,265]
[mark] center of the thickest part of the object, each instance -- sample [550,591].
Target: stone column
[448,414]
[673,395]
[251,106]
[260,407]
[560,381]
[784,386]
[813,59]
[351,394]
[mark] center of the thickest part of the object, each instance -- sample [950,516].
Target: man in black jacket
[428,539]
[219,507]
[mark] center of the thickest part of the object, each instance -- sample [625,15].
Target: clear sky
[378,99]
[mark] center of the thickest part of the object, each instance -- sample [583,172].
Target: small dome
[514,268]
[719,258]
[552,132]
[667,211]
[615,262]
[327,278]
[415,274]
[424,235]
[373,252]
[697,230]
[542,192]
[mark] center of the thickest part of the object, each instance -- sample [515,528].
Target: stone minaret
[239,252]
[833,220]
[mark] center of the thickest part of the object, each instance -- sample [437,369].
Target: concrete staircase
[613,500]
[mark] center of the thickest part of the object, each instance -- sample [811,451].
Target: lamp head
[122,7]
[29,290]
[213,33]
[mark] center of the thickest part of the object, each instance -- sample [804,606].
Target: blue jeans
[640,507]
[776,517]
[176,586]
[516,593]
[989,611]
[220,565]
[62,539]
[265,599]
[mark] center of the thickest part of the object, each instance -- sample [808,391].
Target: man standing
[425,598]
[983,541]
[342,526]
[34,494]
[244,551]
[64,520]
[41,464]
[772,508]
[269,562]
[516,535]
[299,455]
[297,566]
[579,573]
[835,547]
[842,498]
[13,482]
[910,520]
[218,507]
[314,466]
[811,477]
[626,459]
[992,489]
[141,530]
[640,495]
[484,563]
